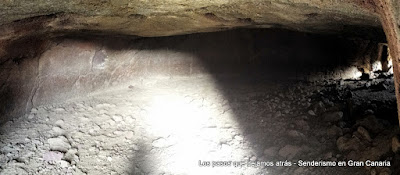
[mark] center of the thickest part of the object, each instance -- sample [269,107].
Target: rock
[64,164]
[328,103]
[369,112]
[318,107]
[379,87]
[129,119]
[354,155]
[304,117]
[311,112]
[34,110]
[289,151]
[147,18]
[371,123]
[103,111]
[31,116]
[59,110]
[385,171]
[322,140]
[367,84]
[71,156]
[364,133]
[341,82]
[299,170]
[334,131]
[333,116]
[302,124]
[129,135]
[18,168]
[117,118]
[295,134]
[373,171]
[52,156]
[8,149]
[342,124]
[118,133]
[395,144]
[328,155]
[104,105]
[278,114]
[238,137]
[376,152]
[271,151]
[59,123]
[135,147]
[346,131]
[57,131]
[345,143]
[93,132]
[286,111]
[59,144]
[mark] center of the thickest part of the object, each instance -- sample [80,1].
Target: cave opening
[230,102]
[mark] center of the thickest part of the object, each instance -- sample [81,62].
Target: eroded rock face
[49,71]
[172,17]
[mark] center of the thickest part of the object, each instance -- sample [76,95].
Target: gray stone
[64,164]
[295,134]
[71,156]
[59,123]
[271,151]
[278,114]
[302,124]
[52,156]
[289,151]
[59,144]
[57,131]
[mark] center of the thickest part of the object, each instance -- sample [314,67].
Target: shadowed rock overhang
[175,17]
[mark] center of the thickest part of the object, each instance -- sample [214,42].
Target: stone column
[388,11]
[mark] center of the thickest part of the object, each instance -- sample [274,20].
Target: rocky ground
[208,125]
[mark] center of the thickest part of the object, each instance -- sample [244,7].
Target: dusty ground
[178,126]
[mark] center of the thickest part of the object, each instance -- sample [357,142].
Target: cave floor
[191,125]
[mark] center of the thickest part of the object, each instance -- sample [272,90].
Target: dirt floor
[209,125]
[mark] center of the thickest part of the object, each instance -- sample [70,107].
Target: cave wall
[173,17]
[39,70]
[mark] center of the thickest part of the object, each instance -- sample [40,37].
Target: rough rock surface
[35,71]
[172,17]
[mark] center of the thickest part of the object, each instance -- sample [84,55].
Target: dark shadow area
[275,53]
[18,61]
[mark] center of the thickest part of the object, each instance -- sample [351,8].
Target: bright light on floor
[169,112]
[188,129]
